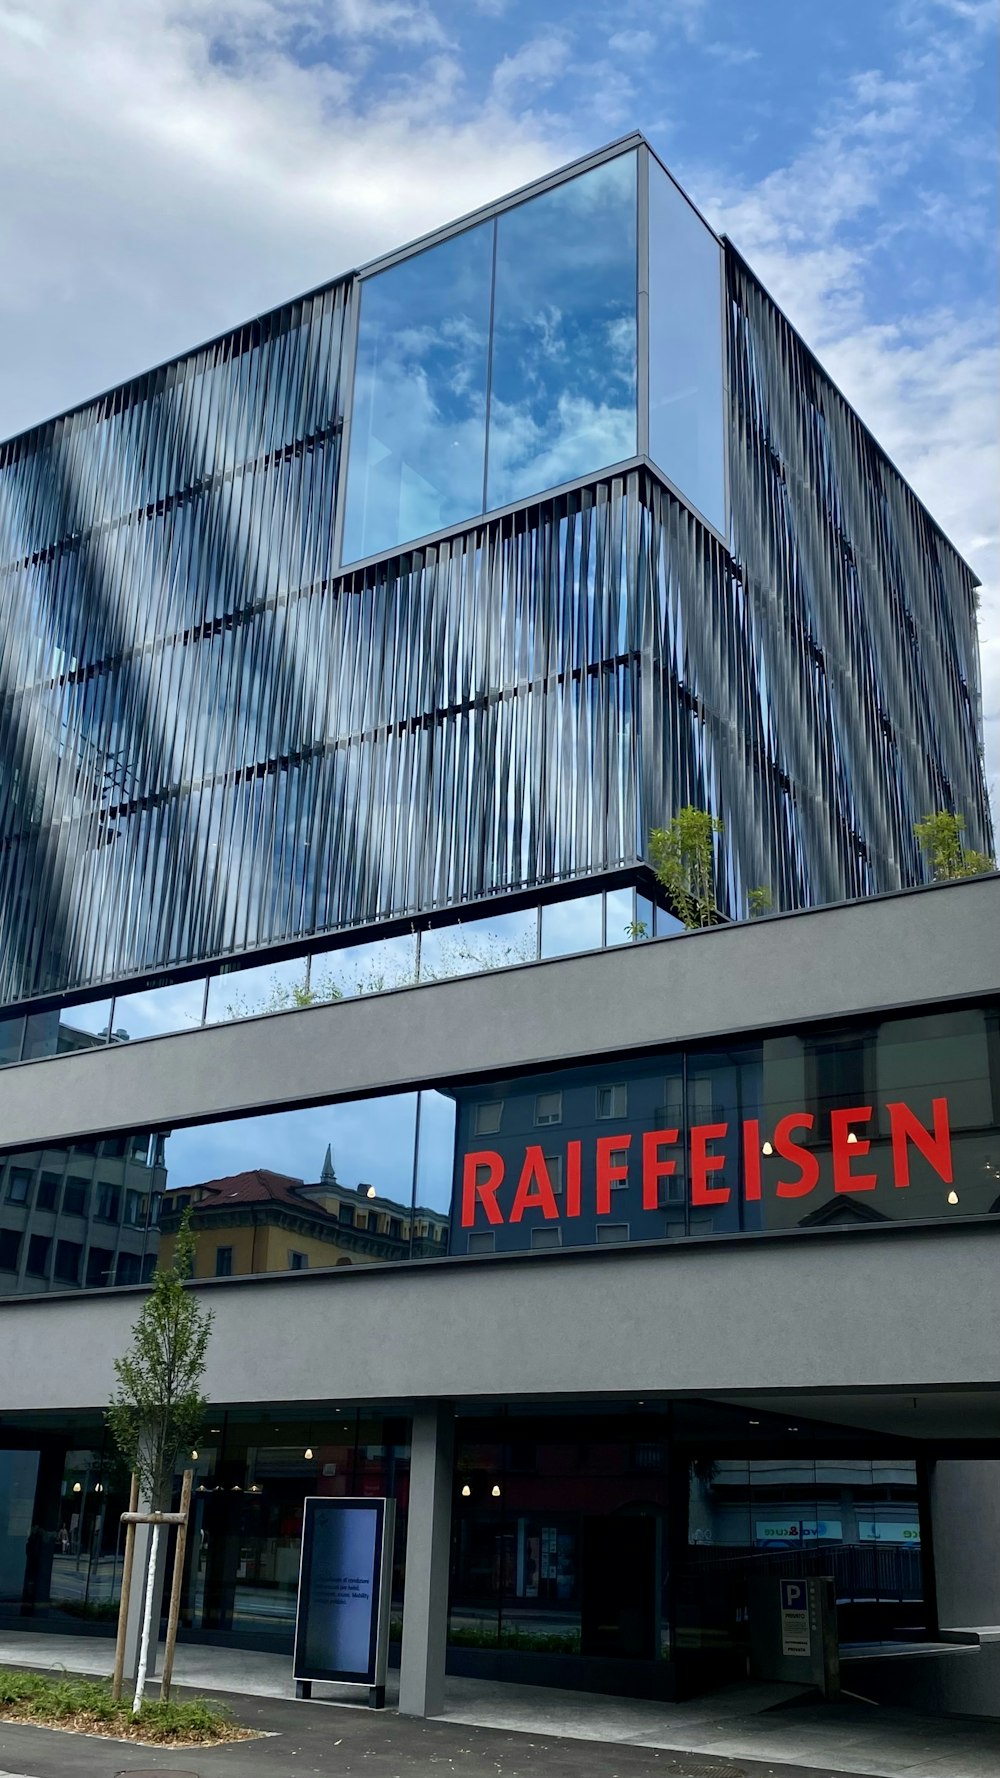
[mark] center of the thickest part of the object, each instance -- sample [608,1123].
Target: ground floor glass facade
[615,1536]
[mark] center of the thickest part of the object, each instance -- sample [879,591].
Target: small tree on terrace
[157,1410]
[940,839]
[682,856]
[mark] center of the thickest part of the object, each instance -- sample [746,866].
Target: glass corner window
[686,385]
[563,383]
[497,364]
[418,425]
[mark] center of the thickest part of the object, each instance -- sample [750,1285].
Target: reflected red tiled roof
[258,1186]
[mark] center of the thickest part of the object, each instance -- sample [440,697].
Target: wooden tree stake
[175,1589]
[119,1674]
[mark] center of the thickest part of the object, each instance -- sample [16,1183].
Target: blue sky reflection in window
[561,366]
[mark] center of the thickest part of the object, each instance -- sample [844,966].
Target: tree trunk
[140,1683]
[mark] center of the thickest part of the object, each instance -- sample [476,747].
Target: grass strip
[62,1700]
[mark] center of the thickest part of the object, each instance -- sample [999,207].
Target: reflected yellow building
[262,1221]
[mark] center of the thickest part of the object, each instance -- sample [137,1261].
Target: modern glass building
[346,665]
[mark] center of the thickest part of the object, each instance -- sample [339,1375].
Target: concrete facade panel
[912,1308]
[892,951]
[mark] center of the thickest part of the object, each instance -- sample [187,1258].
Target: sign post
[793,1631]
[345,1588]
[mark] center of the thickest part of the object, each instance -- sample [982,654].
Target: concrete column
[133,1628]
[428,1551]
[965,1531]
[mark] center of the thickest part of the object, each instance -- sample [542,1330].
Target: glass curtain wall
[246,990]
[61,1541]
[497,364]
[253,1472]
[686,391]
[855,1519]
[558,1535]
[503,361]
[61,1501]
[896,1120]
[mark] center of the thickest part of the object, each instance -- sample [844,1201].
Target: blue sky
[168,167]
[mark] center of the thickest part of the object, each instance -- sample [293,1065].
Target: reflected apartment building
[347,663]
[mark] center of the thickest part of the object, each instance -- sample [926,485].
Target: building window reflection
[750,1136]
[548,1108]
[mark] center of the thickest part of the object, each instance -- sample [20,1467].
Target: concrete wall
[784,1313]
[965,1515]
[893,951]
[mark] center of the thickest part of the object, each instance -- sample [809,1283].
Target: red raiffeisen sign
[654,1155]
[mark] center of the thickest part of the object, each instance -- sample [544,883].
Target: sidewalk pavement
[744,1729]
[317,1740]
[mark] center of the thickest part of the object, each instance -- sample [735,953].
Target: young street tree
[157,1410]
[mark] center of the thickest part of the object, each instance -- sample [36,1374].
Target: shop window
[612,1101]
[488,1116]
[48,1191]
[609,1233]
[39,1248]
[548,1108]
[18,1185]
[68,1257]
[75,1196]
[10,1249]
[223,1262]
[297,1262]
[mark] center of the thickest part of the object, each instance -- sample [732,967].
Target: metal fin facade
[861,620]
[213,742]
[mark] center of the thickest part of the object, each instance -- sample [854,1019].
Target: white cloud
[170,169]
[532,68]
[632,43]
